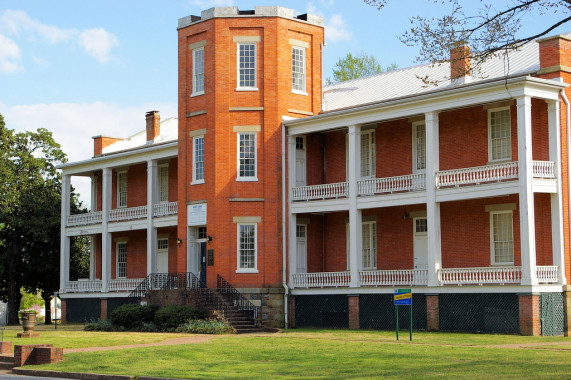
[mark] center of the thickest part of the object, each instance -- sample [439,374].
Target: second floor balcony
[122,214]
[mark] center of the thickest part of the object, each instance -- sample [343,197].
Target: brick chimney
[460,63]
[101,142]
[153,125]
[554,54]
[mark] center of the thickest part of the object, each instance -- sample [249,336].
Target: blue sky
[86,68]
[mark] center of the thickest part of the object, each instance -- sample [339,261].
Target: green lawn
[335,354]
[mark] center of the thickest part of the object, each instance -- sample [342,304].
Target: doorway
[420,243]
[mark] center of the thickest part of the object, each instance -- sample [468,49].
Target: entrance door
[420,243]
[301,248]
[163,255]
[300,158]
[202,275]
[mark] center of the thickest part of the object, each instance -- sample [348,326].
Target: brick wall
[432,313]
[529,315]
[37,354]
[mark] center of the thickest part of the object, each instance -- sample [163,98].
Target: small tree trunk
[48,305]
[14,296]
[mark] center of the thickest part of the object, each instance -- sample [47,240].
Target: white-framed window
[368,155]
[247,66]
[247,157]
[499,134]
[197,159]
[198,71]
[247,248]
[298,70]
[501,237]
[368,245]
[419,147]
[121,259]
[163,244]
[122,189]
[164,183]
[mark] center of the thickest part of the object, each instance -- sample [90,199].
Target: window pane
[163,244]
[121,260]
[420,140]
[122,189]
[163,183]
[247,65]
[247,246]
[198,70]
[500,134]
[503,237]
[298,68]
[247,155]
[198,158]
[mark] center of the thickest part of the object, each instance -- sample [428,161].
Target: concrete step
[7,358]
[6,365]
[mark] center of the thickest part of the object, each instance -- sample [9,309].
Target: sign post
[403,297]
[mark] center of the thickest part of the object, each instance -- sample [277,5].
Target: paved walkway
[166,342]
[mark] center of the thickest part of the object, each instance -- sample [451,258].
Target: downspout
[568,129]
[284,226]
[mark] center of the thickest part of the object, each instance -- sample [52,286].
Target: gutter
[284,226]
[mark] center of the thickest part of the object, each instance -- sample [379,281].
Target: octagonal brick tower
[240,73]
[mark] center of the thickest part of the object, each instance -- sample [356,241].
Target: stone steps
[6,361]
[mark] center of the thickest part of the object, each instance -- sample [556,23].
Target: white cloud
[17,22]
[98,43]
[326,3]
[336,29]
[40,61]
[9,56]
[73,125]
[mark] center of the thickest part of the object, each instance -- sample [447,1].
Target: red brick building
[316,203]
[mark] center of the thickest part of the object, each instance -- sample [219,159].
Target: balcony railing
[480,276]
[325,191]
[83,286]
[547,274]
[130,213]
[543,169]
[321,279]
[477,175]
[165,209]
[393,277]
[409,182]
[124,284]
[84,219]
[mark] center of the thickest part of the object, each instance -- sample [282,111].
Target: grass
[336,354]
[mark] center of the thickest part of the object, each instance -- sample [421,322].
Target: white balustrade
[83,286]
[84,219]
[165,209]
[322,279]
[480,276]
[130,213]
[393,277]
[543,169]
[325,191]
[124,284]
[547,274]
[409,182]
[478,174]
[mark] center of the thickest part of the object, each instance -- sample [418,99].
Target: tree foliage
[30,209]
[356,66]
[492,30]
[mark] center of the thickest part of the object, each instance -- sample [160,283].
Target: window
[198,71]
[300,143]
[502,243]
[368,246]
[163,244]
[121,258]
[368,155]
[499,135]
[247,66]
[421,226]
[247,157]
[419,147]
[163,183]
[298,69]
[247,248]
[198,160]
[202,233]
[122,189]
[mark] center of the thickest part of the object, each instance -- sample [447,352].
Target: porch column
[355,215]
[64,240]
[292,218]
[433,207]
[105,235]
[554,128]
[152,186]
[526,204]
[92,260]
[93,193]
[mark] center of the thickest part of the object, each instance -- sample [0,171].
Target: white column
[106,195]
[526,204]
[152,187]
[554,128]
[92,261]
[292,218]
[355,216]
[432,207]
[93,193]
[64,239]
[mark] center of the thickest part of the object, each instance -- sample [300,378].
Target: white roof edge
[424,95]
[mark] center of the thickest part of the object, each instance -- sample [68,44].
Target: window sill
[200,181]
[247,271]
[247,179]
[196,94]
[246,89]
[299,92]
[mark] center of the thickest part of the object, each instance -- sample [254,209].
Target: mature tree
[493,29]
[30,209]
[356,66]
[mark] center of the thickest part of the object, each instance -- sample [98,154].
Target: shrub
[131,316]
[98,325]
[170,317]
[209,326]
[148,327]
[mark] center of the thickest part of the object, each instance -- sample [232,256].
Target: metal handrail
[238,300]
